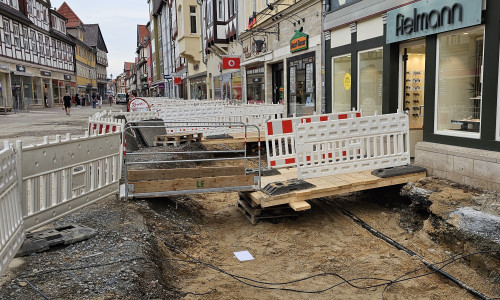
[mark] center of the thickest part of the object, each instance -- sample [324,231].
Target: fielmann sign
[428,17]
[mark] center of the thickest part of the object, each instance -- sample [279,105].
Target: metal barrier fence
[41,183]
[131,192]
[280,137]
[352,145]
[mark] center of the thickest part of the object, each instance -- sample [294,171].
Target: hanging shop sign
[45,73]
[300,41]
[177,80]
[67,77]
[230,62]
[4,67]
[20,68]
[431,17]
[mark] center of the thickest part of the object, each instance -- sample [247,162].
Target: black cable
[37,290]
[79,268]
[410,252]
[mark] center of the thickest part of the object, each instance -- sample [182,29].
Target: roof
[14,12]
[129,66]
[66,11]
[63,37]
[142,33]
[92,36]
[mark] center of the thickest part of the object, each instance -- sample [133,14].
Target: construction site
[251,206]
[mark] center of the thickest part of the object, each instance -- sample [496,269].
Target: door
[278,88]
[412,88]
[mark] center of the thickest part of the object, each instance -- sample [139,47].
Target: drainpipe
[200,4]
[323,67]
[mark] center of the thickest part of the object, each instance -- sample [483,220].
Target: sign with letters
[20,68]
[45,73]
[300,41]
[431,17]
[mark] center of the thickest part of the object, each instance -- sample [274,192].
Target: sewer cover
[63,235]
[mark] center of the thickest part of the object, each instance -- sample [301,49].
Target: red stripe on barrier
[308,158]
[287,126]
[90,128]
[330,155]
[324,118]
[101,127]
[290,161]
[342,116]
[269,128]
[107,128]
[358,115]
[114,128]
[273,163]
[344,153]
[305,120]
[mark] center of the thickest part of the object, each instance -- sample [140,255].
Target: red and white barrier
[352,145]
[280,137]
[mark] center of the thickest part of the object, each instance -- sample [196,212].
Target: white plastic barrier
[65,175]
[105,125]
[280,137]
[11,218]
[352,145]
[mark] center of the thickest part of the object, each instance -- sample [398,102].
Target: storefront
[229,86]
[255,84]
[302,84]
[428,60]
[198,87]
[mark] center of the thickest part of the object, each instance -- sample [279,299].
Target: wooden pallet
[177,139]
[255,214]
[5,109]
[325,186]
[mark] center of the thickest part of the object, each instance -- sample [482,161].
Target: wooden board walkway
[236,139]
[324,187]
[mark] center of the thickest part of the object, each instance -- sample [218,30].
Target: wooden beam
[300,205]
[166,174]
[184,184]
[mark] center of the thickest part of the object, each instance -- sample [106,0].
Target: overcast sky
[118,21]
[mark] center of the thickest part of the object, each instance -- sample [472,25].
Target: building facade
[282,54]
[36,55]
[92,36]
[142,52]
[436,60]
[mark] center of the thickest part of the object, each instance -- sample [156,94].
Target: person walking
[77,99]
[99,100]
[67,103]
[110,98]
[94,103]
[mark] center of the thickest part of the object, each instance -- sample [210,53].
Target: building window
[40,41]
[192,17]
[33,42]
[6,31]
[209,11]
[370,81]
[17,38]
[459,82]
[341,83]
[181,21]
[220,10]
[301,86]
[26,39]
[30,7]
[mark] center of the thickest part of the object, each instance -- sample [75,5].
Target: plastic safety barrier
[11,218]
[280,137]
[352,145]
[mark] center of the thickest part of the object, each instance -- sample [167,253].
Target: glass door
[412,91]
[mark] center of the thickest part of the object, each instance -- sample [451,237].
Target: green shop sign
[300,41]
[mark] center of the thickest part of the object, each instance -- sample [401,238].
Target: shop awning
[22,73]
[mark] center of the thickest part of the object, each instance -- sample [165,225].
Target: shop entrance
[278,88]
[412,88]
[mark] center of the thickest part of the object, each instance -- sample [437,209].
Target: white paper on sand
[243,255]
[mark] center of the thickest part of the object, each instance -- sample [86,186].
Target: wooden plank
[192,183]
[166,174]
[300,205]
[348,188]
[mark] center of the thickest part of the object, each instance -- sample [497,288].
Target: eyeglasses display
[414,92]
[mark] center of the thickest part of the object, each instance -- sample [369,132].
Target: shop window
[302,87]
[255,85]
[370,81]
[236,86]
[459,82]
[341,83]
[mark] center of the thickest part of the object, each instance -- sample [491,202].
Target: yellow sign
[347,81]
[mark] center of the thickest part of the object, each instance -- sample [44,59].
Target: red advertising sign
[230,62]
[177,80]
